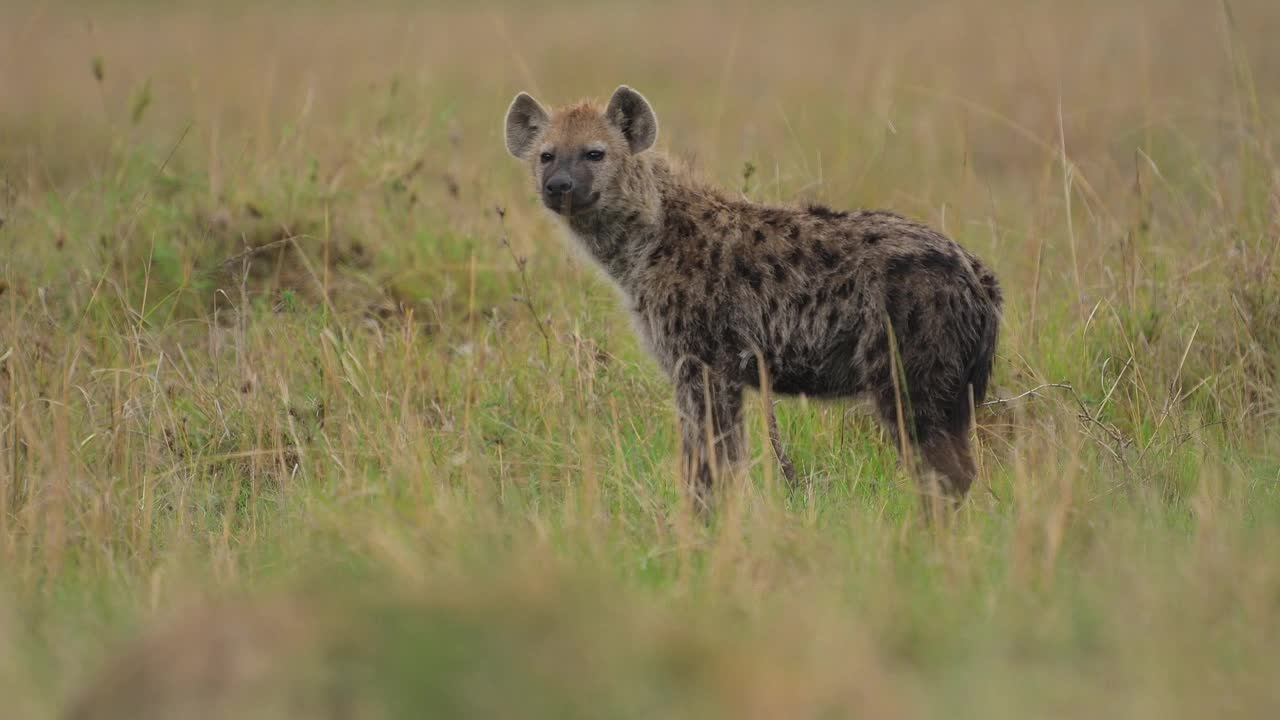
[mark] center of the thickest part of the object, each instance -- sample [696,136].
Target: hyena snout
[558,185]
[569,189]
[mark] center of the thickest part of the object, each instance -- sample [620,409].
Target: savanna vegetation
[307,410]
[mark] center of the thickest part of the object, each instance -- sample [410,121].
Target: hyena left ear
[525,119]
[630,113]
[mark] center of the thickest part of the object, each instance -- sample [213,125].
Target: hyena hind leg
[948,458]
[947,476]
[950,454]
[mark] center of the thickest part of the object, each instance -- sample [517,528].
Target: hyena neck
[619,234]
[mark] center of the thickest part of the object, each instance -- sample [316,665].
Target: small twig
[1085,414]
[526,294]
[1107,398]
[250,252]
[1033,391]
[1180,438]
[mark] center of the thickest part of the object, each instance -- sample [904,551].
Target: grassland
[306,411]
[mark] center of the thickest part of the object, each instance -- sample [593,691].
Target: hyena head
[577,153]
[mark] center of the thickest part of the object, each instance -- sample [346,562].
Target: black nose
[559,185]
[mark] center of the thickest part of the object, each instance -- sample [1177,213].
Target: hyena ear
[525,119]
[630,113]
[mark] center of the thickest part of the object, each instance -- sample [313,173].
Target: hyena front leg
[711,432]
[775,438]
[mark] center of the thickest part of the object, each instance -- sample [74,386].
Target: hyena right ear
[525,119]
[630,112]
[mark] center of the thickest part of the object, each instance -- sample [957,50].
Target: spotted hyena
[728,294]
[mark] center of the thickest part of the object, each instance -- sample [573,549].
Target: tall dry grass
[305,410]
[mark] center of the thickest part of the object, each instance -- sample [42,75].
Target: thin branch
[229,263]
[526,294]
[1033,391]
[1086,415]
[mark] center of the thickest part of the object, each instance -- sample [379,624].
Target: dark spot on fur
[795,256]
[793,232]
[805,301]
[715,256]
[779,269]
[846,289]
[826,213]
[726,336]
[893,301]
[879,345]
[913,320]
[898,266]
[698,325]
[694,260]
[759,236]
[872,237]
[686,229]
[680,225]
[824,254]
[747,272]
[689,371]
[939,261]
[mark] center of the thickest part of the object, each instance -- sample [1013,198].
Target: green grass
[306,410]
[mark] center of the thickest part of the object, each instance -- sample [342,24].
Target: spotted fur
[833,303]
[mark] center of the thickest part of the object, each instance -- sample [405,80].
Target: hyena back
[832,303]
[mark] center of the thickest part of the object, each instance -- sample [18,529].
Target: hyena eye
[596,155]
[546,157]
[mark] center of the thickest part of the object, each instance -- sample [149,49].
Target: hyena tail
[984,358]
[991,287]
[980,370]
[987,280]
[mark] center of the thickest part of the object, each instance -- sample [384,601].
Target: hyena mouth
[569,207]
